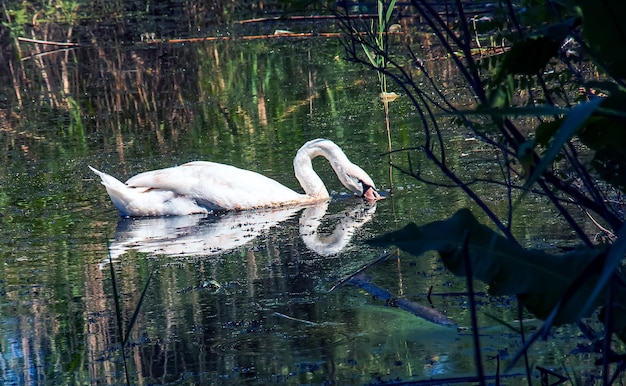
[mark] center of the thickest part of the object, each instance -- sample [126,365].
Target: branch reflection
[214,234]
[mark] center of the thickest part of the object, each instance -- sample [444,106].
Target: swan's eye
[365,186]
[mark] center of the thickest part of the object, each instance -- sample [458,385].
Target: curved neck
[303,167]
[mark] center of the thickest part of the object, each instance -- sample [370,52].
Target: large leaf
[539,279]
[604,31]
[530,56]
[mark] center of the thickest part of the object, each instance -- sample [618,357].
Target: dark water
[233,298]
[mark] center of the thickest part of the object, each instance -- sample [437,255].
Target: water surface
[233,298]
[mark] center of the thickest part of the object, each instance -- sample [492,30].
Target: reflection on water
[269,318]
[350,220]
[194,235]
[212,234]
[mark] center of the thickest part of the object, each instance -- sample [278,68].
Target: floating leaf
[388,96]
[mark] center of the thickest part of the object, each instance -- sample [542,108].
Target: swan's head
[351,176]
[359,182]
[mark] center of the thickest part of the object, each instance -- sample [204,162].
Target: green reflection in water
[252,105]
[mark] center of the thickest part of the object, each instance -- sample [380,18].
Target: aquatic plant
[549,110]
[373,37]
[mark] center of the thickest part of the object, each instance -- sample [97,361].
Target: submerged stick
[416,309]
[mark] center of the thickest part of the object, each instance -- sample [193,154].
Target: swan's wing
[217,186]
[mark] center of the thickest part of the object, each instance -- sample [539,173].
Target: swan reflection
[213,234]
[350,219]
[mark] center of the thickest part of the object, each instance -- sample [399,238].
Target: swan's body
[201,187]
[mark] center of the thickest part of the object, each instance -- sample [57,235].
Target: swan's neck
[303,167]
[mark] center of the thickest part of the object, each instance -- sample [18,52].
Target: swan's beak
[371,194]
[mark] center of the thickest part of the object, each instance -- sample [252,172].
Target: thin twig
[39,55]
[469,276]
[608,232]
[305,18]
[520,317]
[48,43]
[281,35]
[296,319]
[365,266]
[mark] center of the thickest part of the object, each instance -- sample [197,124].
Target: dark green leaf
[546,130]
[604,31]
[530,56]
[558,32]
[501,95]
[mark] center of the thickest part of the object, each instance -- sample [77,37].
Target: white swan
[201,187]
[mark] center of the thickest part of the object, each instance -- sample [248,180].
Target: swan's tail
[120,193]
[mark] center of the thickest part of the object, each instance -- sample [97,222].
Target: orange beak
[372,195]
